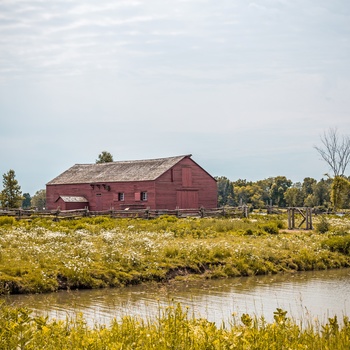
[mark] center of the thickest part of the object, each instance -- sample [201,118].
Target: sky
[247,87]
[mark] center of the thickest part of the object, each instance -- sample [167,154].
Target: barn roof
[121,171]
[73,199]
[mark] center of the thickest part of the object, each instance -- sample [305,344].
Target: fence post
[289,218]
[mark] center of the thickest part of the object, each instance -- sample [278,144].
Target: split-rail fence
[24,214]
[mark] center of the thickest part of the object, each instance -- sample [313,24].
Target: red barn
[165,183]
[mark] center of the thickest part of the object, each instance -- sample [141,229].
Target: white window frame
[144,196]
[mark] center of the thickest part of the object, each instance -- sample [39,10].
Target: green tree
[278,188]
[104,157]
[308,186]
[255,196]
[241,191]
[311,201]
[39,199]
[293,197]
[11,195]
[322,192]
[225,191]
[265,186]
[26,201]
[339,191]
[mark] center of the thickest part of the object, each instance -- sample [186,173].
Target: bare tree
[335,151]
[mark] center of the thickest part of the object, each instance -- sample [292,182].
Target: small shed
[71,202]
[162,183]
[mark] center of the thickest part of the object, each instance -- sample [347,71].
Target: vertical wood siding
[183,186]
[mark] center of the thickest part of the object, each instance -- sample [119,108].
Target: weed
[173,328]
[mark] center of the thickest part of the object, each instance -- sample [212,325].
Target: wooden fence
[23,214]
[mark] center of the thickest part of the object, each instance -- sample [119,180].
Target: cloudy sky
[246,87]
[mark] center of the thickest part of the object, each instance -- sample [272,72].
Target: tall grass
[44,256]
[174,328]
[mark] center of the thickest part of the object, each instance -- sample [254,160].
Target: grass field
[43,255]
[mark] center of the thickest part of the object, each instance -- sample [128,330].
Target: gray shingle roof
[121,171]
[73,199]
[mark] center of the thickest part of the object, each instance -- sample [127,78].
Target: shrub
[323,225]
[7,220]
[339,244]
[271,228]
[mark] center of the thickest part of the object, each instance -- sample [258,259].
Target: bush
[339,244]
[323,225]
[271,228]
[7,220]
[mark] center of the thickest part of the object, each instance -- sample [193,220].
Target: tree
[278,188]
[26,201]
[39,199]
[11,195]
[293,197]
[225,191]
[339,192]
[104,157]
[308,186]
[335,151]
[322,192]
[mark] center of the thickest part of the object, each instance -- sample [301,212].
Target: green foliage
[225,191]
[323,225]
[26,203]
[277,191]
[11,195]
[104,157]
[339,192]
[293,197]
[270,227]
[338,244]
[173,328]
[7,220]
[39,199]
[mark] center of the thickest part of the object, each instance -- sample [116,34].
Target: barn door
[187,199]
[98,202]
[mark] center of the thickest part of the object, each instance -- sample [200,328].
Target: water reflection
[320,294]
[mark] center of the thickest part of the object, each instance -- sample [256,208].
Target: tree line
[332,192]
[277,191]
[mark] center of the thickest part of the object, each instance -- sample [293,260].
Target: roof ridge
[138,160]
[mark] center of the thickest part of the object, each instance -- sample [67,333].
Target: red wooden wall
[186,185]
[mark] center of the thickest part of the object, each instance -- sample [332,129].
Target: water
[305,296]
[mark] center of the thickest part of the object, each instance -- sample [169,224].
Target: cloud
[218,79]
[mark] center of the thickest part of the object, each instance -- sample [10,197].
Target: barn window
[121,196]
[144,196]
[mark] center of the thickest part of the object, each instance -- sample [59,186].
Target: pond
[305,295]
